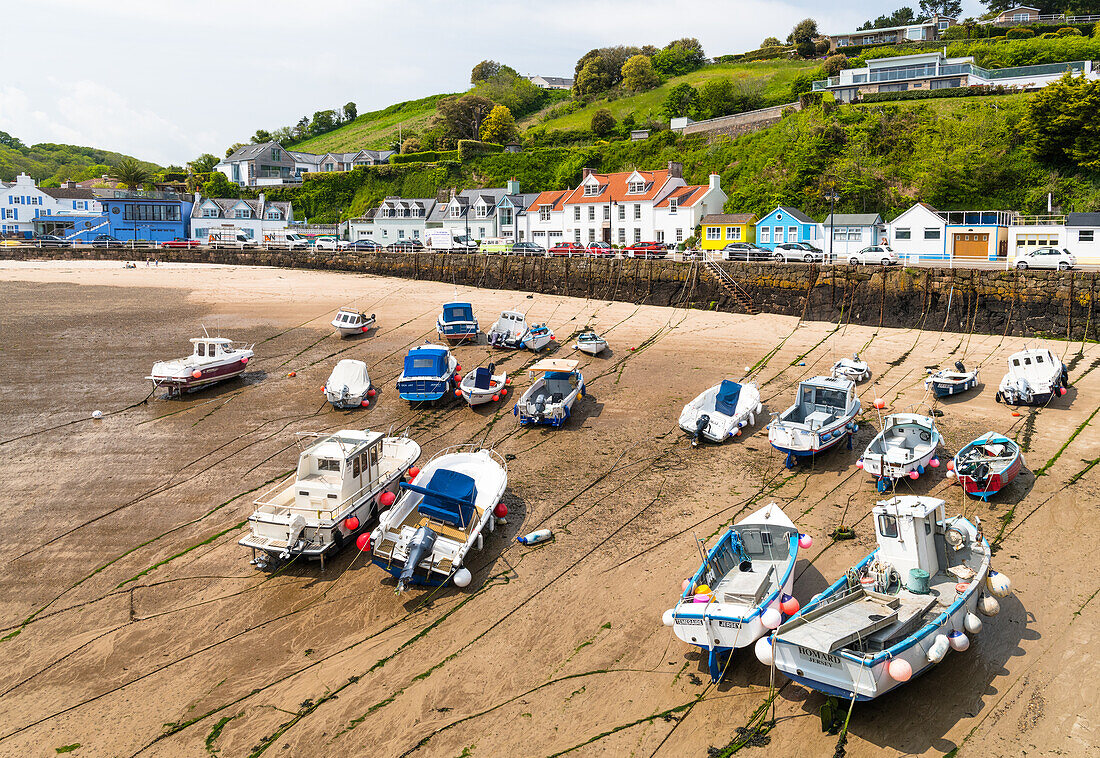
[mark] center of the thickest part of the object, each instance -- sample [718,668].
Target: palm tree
[130,173]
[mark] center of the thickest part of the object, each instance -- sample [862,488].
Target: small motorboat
[851,368]
[349,322]
[508,330]
[441,514]
[906,446]
[823,414]
[748,571]
[430,373]
[537,337]
[1035,377]
[945,383]
[348,385]
[896,613]
[549,400]
[483,386]
[457,323]
[722,411]
[341,480]
[212,360]
[987,465]
[591,343]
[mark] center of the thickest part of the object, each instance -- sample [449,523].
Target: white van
[287,239]
[444,239]
[229,236]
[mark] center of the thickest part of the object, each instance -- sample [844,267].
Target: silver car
[798,251]
[1045,257]
[875,254]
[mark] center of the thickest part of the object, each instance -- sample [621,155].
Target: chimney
[675,170]
[70,184]
[586,172]
[715,181]
[262,198]
[513,186]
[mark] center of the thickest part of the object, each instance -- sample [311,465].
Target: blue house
[786,225]
[151,216]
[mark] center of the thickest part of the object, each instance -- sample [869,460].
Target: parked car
[745,251]
[51,240]
[329,243]
[882,254]
[567,248]
[181,243]
[646,250]
[369,246]
[11,242]
[600,250]
[406,246]
[528,248]
[1045,257]
[495,246]
[106,240]
[798,251]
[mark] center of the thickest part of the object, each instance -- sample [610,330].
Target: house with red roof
[543,221]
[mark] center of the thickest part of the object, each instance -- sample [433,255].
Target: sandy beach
[133,624]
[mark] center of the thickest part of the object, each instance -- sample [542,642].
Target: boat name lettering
[817,656]
[730,624]
[682,620]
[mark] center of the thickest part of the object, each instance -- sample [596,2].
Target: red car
[181,242]
[567,248]
[600,250]
[646,250]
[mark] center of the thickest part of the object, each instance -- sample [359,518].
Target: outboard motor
[960,367]
[423,540]
[981,474]
[700,424]
[540,405]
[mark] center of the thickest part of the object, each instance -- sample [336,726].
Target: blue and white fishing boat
[456,323]
[441,514]
[749,571]
[537,337]
[823,414]
[906,446]
[945,383]
[896,613]
[550,398]
[483,385]
[429,374]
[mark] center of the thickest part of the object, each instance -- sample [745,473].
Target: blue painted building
[787,225]
[141,215]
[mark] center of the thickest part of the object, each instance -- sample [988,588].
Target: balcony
[121,194]
[1046,220]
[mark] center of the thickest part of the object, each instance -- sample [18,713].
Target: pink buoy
[951,465]
[245,360]
[386,499]
[684,585]
[363,541]
[913,475]
[1061,390]
[899,670]
[859,463]
[372,392]
[365,403]
[500,510]
[351,524]
[701,599]
[196,374]
[934,463]
[805,541]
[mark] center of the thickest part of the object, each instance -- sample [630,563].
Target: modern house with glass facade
[141,215]
[923,31]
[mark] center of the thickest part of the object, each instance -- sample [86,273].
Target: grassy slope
[48,161]
[375,130]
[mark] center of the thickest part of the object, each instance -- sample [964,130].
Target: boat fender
[934,463]
[668,618]
[97,414]
[534,538]
[914,474]
[789,604]
[988,606]
[515,410]
[764,652]
[958,640]
[463,577]
[196,374]
[685,585]
[899,670]
[972,623]
[480,540]
[920,469]
[999,585]
[771,618]
[939,648]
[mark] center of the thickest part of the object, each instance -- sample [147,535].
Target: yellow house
[719,229]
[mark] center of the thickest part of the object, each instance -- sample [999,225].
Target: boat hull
[208,375]
[592,349]
[424,390]
[994,484]
[947,389]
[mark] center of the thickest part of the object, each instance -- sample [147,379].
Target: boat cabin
[458,313]
[334,469]
[427,362]
[1033,365]
[905,528]
[349,319]
[212,347]
[822,401]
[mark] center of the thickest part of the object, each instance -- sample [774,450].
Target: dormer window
[242,213]
[544,212]
[209,212]
[455,210]
[274,214]
[635,188]
[591,190]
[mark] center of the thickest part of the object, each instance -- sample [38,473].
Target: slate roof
[686,196]
[1083,219]
[796,214]
[853,219]
[67,193]
[729,218]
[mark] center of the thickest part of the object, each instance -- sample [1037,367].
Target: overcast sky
[166,81]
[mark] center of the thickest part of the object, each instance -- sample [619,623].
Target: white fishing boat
[349,322]
[906,446]
[538,336]
[441,514]
[212,360]
[341,481]
[591,343]
[1035,377]
[896,613]
[748,571]
[824,413]
[722,411]
[348,385]
[945,383]
[550,398]
[508,330]
[483,385]
[851,368]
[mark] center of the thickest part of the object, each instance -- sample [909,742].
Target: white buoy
[972,623]
[463,577]
[959,641]
[771,618]
[764,651]
[999,584]
[667,617]
[939,648]
[988,606]
[97,414]
[535,538]
[899,670]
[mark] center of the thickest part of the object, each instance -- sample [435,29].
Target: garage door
[971,245]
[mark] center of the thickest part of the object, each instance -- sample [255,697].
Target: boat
[430,373]
[945,383]
[212,360]
[482,385]
[441,514]
[349,322]
[748,571]
[508,330]
[851,368]
[1035,377]
[537,337]
[341,480]
[549,400]
[896,613]
[823,414]
[987,465]
[722,411]
[906,446]
[348,385]
[591,343]
[457,323]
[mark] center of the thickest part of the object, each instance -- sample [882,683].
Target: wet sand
[134,624]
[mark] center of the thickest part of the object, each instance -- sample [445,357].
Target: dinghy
[721,412]
[441,514]
[430,373]
[823,414]
[348,385]
[945,383]
[906,446]
[1035,377]
[851,368]
[341,480]
[549,400]
[212,360]
[349,322]
[897,612]
[591,343]
[987,465]
[456,323]
[483,386]
[537,337]
[748,571]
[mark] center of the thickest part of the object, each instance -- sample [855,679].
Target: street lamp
[832,196]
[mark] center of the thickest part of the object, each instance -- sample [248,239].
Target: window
[276,154]
[544,213]
[679,235]
[945,83]
[241,213]
[355,465]
[328,464]
[637,234]
[765,234]
[576,213]
[400,234]
[607,213]
[888,526]
[591,235]
[733,233]
[637,212]
[506,216]
[792,234]
[931,233]
[622,236]
[329,167]
[591,213]
[481,232]
[715,232]
[900,87]
[209,212]
[455,209]
[591,189]
[200,349]
[672,205]
[274,214]
[635,188]
[148,212]
[622,213]
[905,234]
[1085,235]
[660,235]
[576,235]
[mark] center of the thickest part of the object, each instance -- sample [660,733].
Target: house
[677,214]
[256,218]
[787,225]
[27,209]
[639,134]
[551,82]
[932,70]
[399,218]
[146,216]
[923,31]
[362,227]
[268,164]
[484,213]
[851,232]
[544,219]
[76,214]
[977,234]
[1020,14]
[1083,236]
[720,229]
[347,161]
[920,232]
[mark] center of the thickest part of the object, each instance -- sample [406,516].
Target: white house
[851,232]
[269,164]
[256,218]
[362,227]
[920,232]
[1083,236]
[551,82]
[676,216]
[23,201]
[399,218]
[544,221]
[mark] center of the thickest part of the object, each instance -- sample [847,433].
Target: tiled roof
[553,198]
[686,196]
[613,187]
[729,218]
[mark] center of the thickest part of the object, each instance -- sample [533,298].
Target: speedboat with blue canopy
[722,411]
[824,413]
[457,323]
[897,612]
[550,398]
[748,571]
[441,514]
[429,374]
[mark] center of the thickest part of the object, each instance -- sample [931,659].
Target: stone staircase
[730,285]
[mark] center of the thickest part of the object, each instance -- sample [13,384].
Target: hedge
[425,156]
[469,148]
[925,94]
[905,48]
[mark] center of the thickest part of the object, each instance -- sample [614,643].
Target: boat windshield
[425,363]
[458,312]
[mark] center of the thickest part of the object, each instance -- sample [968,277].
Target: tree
[130,173]
[301,129]
[511,90]
[323,121]
[803,36]
[487,70]
[603,123]
[499,126]
[350,111]
[411,145]
[950,8]
[202,164]
[682,100]
[771,42]
[639,75]
[461,117]
[835,63]
[593,79]
[680,57]
[261,136]
[717,97]
[1061,127]
[219,186]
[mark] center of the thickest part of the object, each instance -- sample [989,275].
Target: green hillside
[377,130]
[51,164]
